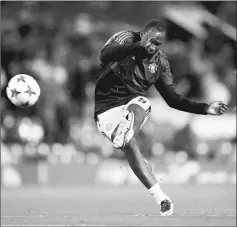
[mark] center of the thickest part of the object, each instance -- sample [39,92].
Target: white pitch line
[180,215]
[24,216]
[132,215]
[60,225]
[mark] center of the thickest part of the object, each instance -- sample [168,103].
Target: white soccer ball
[23,90]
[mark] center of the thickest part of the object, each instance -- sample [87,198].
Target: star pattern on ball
[21,78]
[30,91]
[15,93]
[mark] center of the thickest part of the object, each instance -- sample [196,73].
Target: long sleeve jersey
[126,73]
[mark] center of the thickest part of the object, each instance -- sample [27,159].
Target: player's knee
[139,116]
[136,116]
[129,145]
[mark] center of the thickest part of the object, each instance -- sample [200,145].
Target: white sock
[157,192]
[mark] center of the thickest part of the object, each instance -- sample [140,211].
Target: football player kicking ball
[131,63]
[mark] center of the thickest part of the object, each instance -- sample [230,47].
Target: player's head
[154,32]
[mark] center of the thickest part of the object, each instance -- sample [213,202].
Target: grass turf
[194,205]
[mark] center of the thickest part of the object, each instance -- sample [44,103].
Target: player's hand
[148,46]
[217,108]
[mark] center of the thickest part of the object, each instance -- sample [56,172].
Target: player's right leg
[135,115]
[143,171]
[116,123]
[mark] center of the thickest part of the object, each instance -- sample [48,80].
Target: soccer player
[131,63]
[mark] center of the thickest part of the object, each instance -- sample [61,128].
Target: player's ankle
[157,193]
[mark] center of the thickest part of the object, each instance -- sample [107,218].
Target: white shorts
[109,120]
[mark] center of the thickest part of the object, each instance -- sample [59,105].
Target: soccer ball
[23,90]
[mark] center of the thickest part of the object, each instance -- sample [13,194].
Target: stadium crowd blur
[58,43]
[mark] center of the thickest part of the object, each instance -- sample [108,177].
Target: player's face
[153,40]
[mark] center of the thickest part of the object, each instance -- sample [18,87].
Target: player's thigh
[141,107]
[108,121]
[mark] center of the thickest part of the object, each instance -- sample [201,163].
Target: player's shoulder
[123,37]
[123,32]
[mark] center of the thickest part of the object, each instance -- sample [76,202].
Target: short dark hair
[155,23]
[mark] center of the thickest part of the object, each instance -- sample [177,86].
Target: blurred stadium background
[58,43]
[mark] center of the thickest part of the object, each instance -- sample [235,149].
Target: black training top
[126,73]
